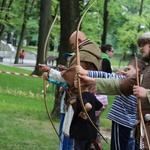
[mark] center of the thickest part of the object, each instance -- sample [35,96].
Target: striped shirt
[124,109]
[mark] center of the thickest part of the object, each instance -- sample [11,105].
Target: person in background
[81,130]
[107,52]
[21,56]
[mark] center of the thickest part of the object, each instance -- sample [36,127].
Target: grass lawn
[34,49]
[24,123]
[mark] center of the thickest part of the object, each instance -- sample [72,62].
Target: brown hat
[144,39]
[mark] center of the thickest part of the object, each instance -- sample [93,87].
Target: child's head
[131,68]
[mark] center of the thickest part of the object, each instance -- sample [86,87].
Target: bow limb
[78,63]
[47,110]
[142,124]
[47,38]
[44,81]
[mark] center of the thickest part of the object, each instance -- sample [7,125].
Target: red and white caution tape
[20,74]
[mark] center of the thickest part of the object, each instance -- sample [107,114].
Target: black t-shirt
[81,128]
[106,66]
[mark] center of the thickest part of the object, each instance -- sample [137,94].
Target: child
[81,130]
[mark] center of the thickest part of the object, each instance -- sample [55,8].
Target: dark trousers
[81,144]
[120,138]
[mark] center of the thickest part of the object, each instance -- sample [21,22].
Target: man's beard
[146,58]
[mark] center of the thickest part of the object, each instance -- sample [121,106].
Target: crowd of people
[125,133]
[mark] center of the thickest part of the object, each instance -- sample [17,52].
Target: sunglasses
[112,51]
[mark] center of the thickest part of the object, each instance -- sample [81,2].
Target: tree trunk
[105,23]
[140,13]
[6,17]
[22,34]
[134,48]
[44,25]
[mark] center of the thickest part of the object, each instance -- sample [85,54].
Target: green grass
[23,119]
[34,49]
[24,125]
[30,48]
[106,123]
[13,69]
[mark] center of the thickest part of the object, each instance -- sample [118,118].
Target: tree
[44,25]
[105,22]
[6,18]
[123,21]
[27,11]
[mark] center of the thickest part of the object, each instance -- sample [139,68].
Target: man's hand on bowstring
[86,80]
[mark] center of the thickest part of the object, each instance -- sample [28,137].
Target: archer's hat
[144,39]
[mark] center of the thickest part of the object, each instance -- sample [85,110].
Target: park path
[29,61]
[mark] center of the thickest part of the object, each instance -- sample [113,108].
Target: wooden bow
[142,124]
[44,81]
[78,63]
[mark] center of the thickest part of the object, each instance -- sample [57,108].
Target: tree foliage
[123,21]
[126,21]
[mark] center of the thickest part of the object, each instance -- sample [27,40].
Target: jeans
[67,142]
